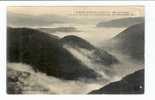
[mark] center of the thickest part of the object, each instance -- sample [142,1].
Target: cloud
[23,20]
[31,82]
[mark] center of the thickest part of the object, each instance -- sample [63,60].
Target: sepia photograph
[75,49]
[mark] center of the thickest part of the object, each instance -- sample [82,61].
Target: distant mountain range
[131,84]
[122,22]
[59,29]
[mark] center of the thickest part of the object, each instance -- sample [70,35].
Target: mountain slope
[98,60]
[130,42]
[88,50]
[77,41]
[131,84]
[45,53]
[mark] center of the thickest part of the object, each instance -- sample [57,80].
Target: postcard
[75,49]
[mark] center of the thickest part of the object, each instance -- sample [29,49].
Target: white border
[149,48]
[67,3]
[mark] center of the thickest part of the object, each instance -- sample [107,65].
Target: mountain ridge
[122,22]
[129,42]
[45,54]
[130,84]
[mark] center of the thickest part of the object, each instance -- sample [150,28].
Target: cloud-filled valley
[61,53]
[94,67]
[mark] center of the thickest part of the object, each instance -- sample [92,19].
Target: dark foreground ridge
[131,84]
[45,53]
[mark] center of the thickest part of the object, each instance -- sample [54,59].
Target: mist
[39,82]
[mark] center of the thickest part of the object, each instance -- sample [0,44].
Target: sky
[83,18]
[74,11]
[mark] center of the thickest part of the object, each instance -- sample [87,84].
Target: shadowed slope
[45,53]
[130,42]
[99,56]
[131,84]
